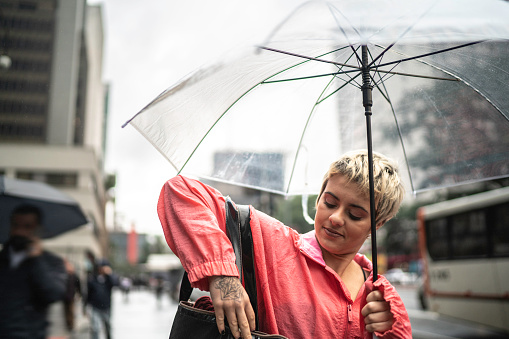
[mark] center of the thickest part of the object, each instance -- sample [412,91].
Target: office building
[53,108]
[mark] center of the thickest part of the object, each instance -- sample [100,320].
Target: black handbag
[194,323]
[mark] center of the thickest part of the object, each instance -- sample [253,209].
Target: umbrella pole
[367,102]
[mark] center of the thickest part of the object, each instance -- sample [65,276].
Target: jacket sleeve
[193,222]
[401,327]
[48,278]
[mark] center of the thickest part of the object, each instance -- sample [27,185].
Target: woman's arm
[193,221]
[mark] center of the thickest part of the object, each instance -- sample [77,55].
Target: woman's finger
[379,317]
[251,316]
[231,316]
[374,295]
[243,323]
[375,307]
[219,319]
[379,327]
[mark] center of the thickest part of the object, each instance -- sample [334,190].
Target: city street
[141,316]
[429,325]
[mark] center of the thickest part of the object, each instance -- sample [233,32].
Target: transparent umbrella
[432,75]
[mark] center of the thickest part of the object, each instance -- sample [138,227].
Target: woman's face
[342,221]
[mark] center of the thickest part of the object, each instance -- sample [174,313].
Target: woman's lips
[332,233]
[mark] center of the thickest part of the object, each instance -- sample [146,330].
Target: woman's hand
[230,300]
[377,313]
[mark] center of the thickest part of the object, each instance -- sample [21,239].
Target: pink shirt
[298,295]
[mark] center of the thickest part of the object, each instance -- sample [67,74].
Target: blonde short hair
[389,190]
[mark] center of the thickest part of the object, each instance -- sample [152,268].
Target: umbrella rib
[354,71]
[359,60]
[386,76]
[389,101]
[308,77]
[214,124]
[384,94]
[352,79]
[431,53]
[340,71]
[304,132]
[338,89]
[396,63]
[307,57]
[460,79]
[408,29]
[315,76]
[416,75]
[282,23]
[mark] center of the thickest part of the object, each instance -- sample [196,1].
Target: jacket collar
[309,246]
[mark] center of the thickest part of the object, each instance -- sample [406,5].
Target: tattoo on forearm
[230,288]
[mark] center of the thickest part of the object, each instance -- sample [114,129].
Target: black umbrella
[60,213]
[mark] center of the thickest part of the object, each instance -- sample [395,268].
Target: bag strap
[248,261]
[233,231]
[238,230]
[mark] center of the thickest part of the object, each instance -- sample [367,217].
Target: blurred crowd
[32,278]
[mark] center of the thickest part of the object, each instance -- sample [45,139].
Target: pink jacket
[298,295]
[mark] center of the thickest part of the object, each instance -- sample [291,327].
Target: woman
[312,285]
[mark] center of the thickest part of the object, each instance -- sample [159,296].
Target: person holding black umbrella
[313,285]
[30,278]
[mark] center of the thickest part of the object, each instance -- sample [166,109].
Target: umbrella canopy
[60,213]
[276,116]
[435,72]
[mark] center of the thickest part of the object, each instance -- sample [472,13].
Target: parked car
[397,276]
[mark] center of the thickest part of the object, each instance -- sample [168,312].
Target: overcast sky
[149,45]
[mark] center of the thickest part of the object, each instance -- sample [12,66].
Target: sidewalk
[58,329]
[139,315]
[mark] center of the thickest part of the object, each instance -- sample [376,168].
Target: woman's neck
[339,263]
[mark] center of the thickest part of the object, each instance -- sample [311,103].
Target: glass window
[437,238]
[62,179]
[25,175]
[469,235]
[500,235]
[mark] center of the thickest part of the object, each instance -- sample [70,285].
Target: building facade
[53,108]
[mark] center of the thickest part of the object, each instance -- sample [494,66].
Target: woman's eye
[354,217]
[328,204]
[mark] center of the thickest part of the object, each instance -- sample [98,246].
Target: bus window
[500,235]
[469,235]
[437,238]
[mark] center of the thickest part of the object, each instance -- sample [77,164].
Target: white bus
[465,249]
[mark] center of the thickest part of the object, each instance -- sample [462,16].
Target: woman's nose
[337,218]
